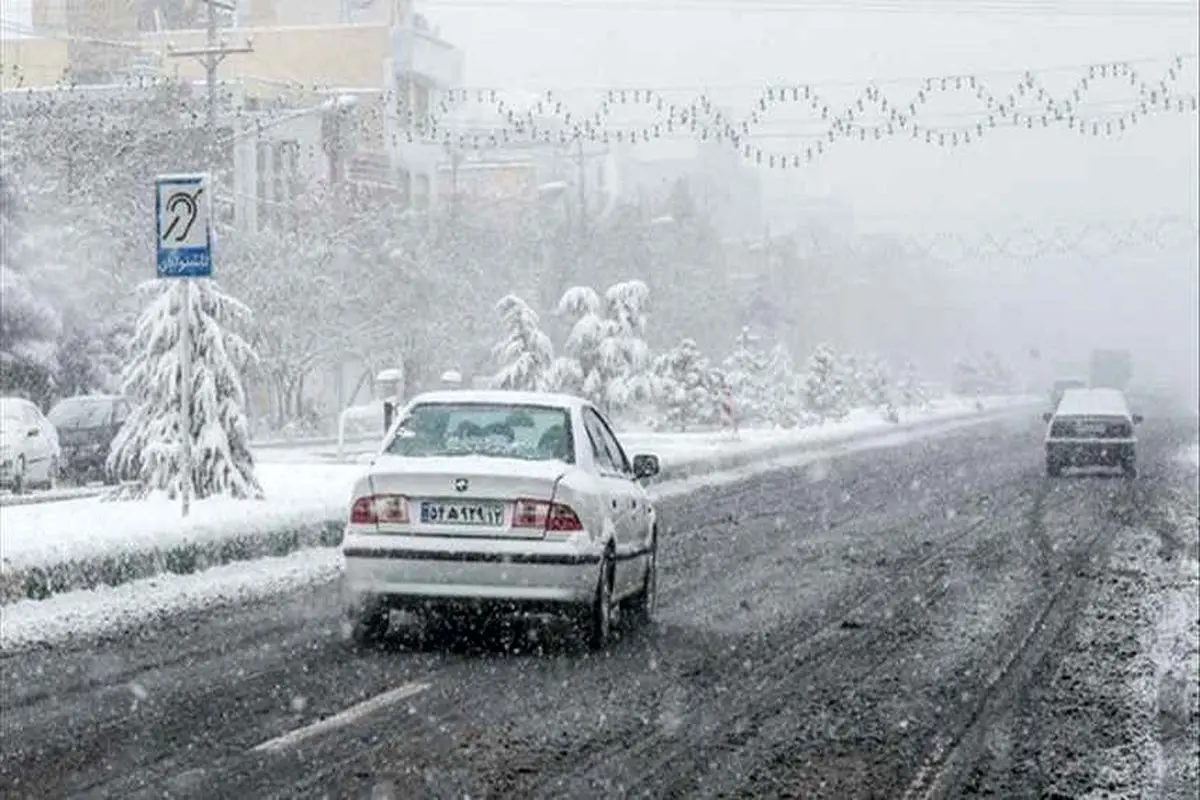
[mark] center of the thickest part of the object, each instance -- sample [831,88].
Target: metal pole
[210,79]
[185,394]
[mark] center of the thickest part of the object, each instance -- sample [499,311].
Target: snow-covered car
[87,426]
[501,500]
[1091,428]
[29,453]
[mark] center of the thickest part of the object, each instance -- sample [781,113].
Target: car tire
[369,624]
[18,478]
[599,616]
[51,475]
[1053,467]
[643,604]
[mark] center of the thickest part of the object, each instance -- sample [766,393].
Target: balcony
[419,52]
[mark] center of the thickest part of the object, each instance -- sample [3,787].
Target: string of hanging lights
[871,116]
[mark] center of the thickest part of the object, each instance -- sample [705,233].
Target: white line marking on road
[342,718]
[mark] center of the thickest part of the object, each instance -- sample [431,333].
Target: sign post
[183,230]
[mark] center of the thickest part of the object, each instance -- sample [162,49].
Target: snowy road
[909,622]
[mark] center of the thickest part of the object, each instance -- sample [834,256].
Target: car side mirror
[1138,419]
[33,432]
[645,466]
[1049,415]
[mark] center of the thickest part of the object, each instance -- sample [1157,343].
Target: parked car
[501,500]
[87,426]
[29,453]
[1091,428]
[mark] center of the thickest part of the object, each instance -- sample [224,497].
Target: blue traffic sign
[183,226]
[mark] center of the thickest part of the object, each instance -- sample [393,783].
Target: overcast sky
[1011,179]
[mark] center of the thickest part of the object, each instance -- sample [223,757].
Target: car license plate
[486,515]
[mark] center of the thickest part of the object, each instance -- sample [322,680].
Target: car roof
[501,397]
[1093,402]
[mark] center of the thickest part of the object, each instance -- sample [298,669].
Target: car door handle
[614,503]
[633,503]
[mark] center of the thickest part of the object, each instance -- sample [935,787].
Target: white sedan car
[501,499]
[28,446]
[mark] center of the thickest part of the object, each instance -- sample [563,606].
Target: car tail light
[387,509]
[542,515]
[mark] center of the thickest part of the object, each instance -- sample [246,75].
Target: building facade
[341,70]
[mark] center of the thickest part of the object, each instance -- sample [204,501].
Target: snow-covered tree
[746,377]
[910,393]
[876,388]
[623,352]
[151,442]
[605,357]
[824,390]
[682,377]
[782,400]
[525,353]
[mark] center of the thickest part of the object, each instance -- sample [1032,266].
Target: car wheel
[643,604]
[369,624]
[18,478]
[600,615]
[52,474]
[1053,468]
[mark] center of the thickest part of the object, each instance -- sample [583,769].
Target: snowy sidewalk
[80,544]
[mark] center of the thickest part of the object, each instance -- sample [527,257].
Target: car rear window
[528,432]
[1085,428]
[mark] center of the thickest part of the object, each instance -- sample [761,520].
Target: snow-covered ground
[309,493]
[1192,455]
[108,609]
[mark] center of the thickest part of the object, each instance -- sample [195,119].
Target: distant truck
[1111,369]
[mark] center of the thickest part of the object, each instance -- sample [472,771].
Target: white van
[1091,428]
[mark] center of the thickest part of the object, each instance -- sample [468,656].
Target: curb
[185,558]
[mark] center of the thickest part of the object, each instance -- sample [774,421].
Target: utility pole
[211,56]
[581,164]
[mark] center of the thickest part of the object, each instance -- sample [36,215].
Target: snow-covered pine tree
[909,391]
[745,376]
[525,354]
[604,358]
[824,393]
[30,325]
[150,443]
[576,369]
[876,386]
[684,393]
[625,358]
[781,395]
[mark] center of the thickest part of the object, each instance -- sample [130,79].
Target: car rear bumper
[416,571]
[1087,453]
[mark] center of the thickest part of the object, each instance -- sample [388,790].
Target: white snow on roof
[500,397]
[1093,402]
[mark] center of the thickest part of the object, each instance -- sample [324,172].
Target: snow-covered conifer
[605,357]
[909,391]
[876,386]
[625,358]
[745,371]
[781,398]
[683,386]
[525,353]
[150,443]
[824,391]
